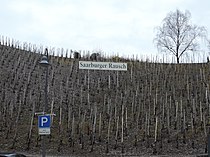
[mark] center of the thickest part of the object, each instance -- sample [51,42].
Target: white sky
[124,27]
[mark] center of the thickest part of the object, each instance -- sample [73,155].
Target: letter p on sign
[44,121]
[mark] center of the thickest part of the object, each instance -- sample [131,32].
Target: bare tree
[177,35]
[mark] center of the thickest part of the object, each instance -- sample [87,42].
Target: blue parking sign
[44,124]
[44,121]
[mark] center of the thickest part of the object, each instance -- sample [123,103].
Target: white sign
[102,65]
[44,131]
[44,124]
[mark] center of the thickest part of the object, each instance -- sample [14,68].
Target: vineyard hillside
[150,109]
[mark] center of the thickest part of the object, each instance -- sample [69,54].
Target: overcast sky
[123,27]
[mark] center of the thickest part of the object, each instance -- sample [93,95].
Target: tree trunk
[177,59]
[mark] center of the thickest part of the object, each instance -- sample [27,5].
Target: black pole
[45,105]
[208,145]
[44,109]
[46,85]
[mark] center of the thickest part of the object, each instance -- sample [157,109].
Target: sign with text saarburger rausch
[102,65]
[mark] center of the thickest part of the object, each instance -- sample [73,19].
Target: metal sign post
[44,123]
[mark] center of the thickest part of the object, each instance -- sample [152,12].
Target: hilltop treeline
[152,108]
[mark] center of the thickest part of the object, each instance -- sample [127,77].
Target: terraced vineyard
[153,108]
